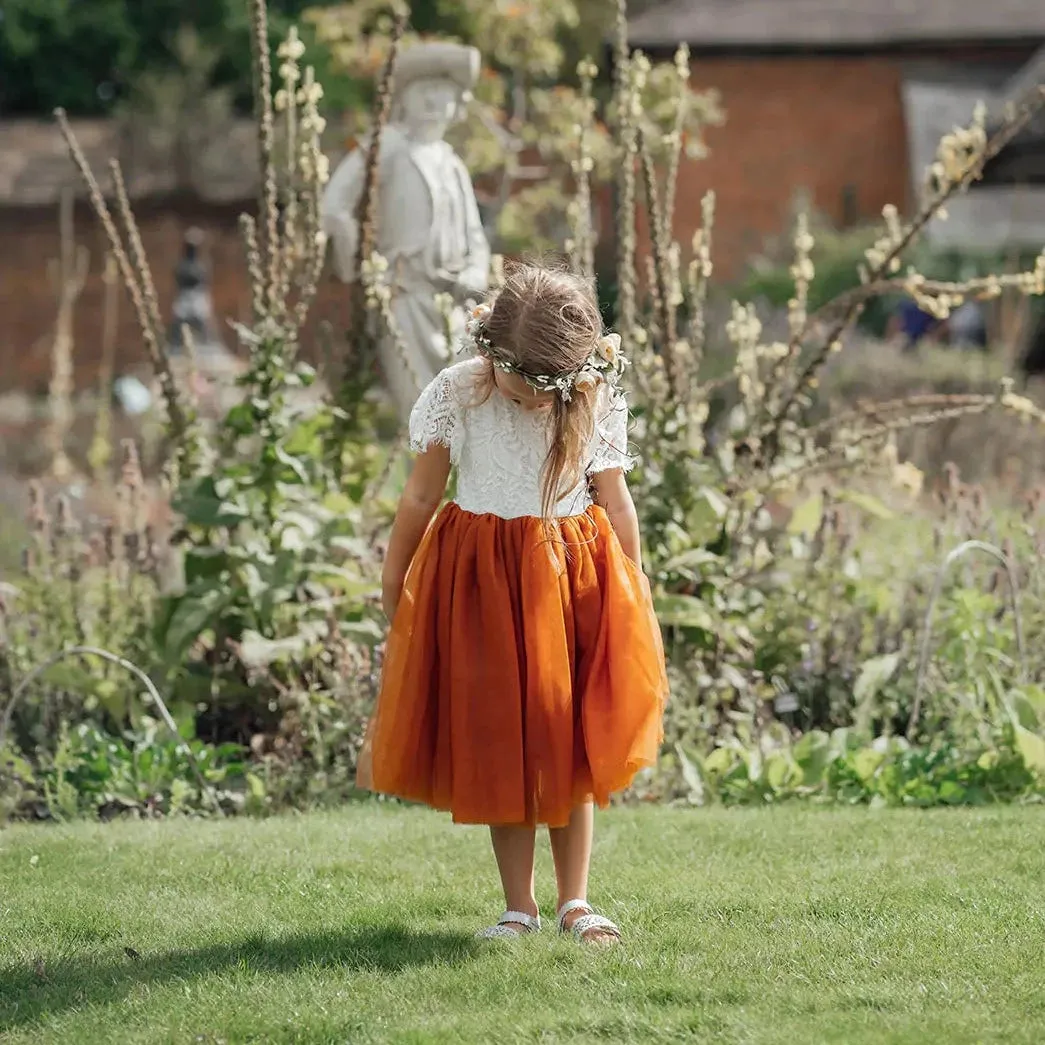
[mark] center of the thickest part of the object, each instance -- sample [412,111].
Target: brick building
[845,100]
[35,171]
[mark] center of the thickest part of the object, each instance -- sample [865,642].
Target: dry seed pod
[38,518]
[881,630]
[1008,548]
[110,544]
[96,549]
[845,541]
[977,513]
[65,525]
[950,491]
[131,469]
[150,549]
[77,559]
[132,488]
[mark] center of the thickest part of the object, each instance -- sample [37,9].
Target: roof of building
[1022,162]
[35,166]
[835,24]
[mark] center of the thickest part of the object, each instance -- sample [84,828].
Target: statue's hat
[438,59]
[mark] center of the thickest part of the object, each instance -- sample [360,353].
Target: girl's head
[543,337]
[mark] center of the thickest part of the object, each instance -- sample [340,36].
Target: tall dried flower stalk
[68,276]
[263,105]
[285,261]
[370,294]
[581,246]
[137,250]
[100,453]
[660,255]
[131,504]
[291,51]
[192,366]
[845,441]
[255,269]
[676,143]
[366,216]
[802,273]
[699,275]
[628,105]
[314,170]
[136,278]
[377,298]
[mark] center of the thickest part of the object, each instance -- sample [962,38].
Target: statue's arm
[475,279]
[340,205]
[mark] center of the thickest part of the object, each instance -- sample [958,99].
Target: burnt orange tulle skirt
[522,676]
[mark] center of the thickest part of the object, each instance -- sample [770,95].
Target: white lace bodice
[499,449]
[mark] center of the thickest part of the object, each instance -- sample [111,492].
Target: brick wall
[27,296]
[831,126]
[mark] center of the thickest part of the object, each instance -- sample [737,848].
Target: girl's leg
[514,849]
[571,851]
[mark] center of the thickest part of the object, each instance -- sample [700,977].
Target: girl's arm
[612,494]
[421,497]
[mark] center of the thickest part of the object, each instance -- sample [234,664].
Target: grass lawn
[795,925]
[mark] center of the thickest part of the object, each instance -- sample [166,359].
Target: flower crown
[606,364]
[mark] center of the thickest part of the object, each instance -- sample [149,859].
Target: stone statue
[193,307]
[428,224]
[216,368]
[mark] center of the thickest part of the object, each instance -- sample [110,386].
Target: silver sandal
[504,930]
[587,923]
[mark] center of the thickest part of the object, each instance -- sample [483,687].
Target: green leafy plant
[89,589]
[848,767]
[264,638]
[142,772]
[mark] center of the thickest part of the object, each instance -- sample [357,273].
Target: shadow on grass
[29,993]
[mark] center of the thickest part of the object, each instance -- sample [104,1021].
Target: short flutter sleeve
[610,446]
[436,417]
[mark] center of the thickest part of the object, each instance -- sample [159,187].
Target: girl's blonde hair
[547,321]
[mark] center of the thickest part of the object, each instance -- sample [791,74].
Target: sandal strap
[504,930]
[498,932]
[568,908]
[588,922]
[593,922]
[532,924]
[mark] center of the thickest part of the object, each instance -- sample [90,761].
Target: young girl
[524,673]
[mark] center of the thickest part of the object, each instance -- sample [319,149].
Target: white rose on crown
[609,348]
[478,316]
[585,381]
